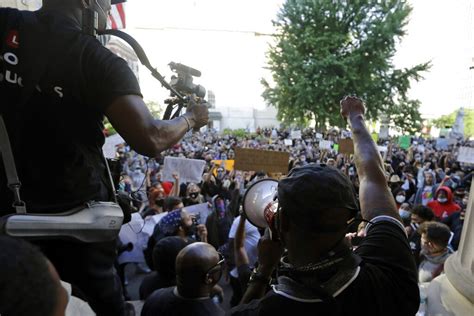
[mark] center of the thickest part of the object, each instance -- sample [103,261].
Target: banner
[189,170]
[257,160]
[346,146]
[466,154]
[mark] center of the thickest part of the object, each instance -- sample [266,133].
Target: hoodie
[442,210]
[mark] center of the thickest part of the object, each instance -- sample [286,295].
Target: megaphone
[259,203]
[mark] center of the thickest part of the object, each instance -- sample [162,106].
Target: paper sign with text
[189,170]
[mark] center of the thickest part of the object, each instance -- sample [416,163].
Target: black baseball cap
[312,191]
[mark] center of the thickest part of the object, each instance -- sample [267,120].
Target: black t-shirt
[154,282]
[386,283]
[164,302]
[56,135]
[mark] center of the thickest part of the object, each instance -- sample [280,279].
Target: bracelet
[187,121]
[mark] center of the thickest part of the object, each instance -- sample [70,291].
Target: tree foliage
[326,49]
[447,121]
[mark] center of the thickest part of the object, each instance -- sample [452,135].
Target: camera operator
[56,85]
[319,274]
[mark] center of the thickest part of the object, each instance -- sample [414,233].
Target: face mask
[400,198]
[404,213]
[193,195]
[442,200]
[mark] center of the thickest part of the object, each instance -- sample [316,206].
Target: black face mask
[160,202]
[193,195]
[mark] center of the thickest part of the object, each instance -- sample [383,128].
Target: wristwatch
[257,276]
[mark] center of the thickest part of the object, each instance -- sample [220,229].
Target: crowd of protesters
[430,187]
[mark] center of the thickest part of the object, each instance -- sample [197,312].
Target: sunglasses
[219,265]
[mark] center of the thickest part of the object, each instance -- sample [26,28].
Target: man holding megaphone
[319,274]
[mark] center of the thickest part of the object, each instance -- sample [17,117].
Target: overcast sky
[217,37]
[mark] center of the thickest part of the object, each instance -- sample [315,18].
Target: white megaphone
[259,203]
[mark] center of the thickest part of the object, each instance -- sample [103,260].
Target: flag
[117,17]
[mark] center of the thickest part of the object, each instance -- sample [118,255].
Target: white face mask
[442,200]
[400,198]
[404,213]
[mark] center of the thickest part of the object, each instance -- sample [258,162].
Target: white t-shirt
[252,236]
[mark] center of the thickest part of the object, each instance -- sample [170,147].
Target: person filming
[57,85]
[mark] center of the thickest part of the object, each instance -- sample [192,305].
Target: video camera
[183,83]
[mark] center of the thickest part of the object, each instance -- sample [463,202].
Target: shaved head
[192,265]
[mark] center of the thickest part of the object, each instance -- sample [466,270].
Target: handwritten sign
[266,160]
[189,170]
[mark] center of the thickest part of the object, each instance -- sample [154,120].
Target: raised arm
[374,193]
[146,135]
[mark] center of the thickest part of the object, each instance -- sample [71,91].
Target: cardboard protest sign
[325,144]
[404,141]
[346,146]
[466,154]
[202,211]
[296,134]
[255,160]
[189,170]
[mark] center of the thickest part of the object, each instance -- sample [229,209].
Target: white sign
[288,142]
[421,148]
[383,148]
[296,134]
[110,145]
[201,209]
[189,170]
[466,154]
[319,136]
[325,144]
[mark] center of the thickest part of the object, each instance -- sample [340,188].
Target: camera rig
[181,86]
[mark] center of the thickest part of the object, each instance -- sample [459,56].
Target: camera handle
[180,100]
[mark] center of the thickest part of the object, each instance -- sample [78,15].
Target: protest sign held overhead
[189,170]
[266,160]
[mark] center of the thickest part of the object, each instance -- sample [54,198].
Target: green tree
[447,121]
[326,49]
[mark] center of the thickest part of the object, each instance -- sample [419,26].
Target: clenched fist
[352,106]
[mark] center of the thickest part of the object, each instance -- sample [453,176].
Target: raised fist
[351,106]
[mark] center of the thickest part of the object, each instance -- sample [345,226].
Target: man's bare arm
[374,194]
[146,135]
